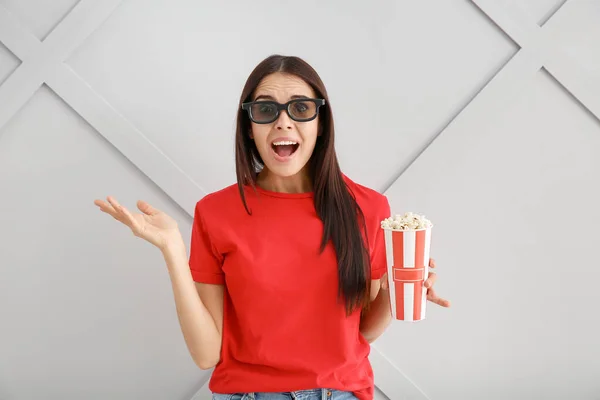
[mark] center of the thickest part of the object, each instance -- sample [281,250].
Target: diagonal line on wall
[576,80]
[551,13]
[27,78]
[459,112]
[83,20]
[18,88]
[132,143]
[495,95]
[536,52]
[60,19]
[15,37]
[203,392]
[396,176]
[570,73]
[386,378]
[567,71]
[569,94]
[126,138]
[43,62]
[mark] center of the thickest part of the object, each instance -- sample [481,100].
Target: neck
[299,183]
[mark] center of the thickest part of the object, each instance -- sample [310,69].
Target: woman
[285,285]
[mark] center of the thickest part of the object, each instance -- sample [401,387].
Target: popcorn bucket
[407,253]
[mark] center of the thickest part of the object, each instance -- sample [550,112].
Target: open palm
[152,225]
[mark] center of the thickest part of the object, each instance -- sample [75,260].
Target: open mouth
[284,148]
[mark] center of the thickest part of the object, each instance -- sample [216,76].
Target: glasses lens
[302,109]
[262,112]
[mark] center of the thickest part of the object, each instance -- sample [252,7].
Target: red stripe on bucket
[398,244]
[419,249]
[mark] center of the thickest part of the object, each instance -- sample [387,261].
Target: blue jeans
[311,394]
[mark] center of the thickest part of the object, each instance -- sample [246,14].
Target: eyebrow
[269,97]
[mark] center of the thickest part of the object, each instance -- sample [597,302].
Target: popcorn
[408,221]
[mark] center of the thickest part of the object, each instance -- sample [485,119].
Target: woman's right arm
[199,308]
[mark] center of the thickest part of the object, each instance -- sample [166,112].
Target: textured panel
[95,316]
[39,16]
[515,208]
[187,90]
[8,63]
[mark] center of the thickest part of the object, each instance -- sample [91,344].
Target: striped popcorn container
[407,253]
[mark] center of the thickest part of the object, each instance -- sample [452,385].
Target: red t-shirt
[283,326]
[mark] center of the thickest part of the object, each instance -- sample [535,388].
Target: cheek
[259,134]
[310,132]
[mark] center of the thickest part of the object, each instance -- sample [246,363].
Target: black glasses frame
[279,107]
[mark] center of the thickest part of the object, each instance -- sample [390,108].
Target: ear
[250,134]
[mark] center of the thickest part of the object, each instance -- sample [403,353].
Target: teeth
[284,143]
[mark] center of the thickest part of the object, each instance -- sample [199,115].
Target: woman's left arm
[376,319]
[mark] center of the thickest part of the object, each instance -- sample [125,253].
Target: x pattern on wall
[43,62]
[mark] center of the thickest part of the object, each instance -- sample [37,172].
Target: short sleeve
[378,257]
[205,261]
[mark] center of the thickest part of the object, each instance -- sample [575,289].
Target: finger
[430,280]
[431,296]
[115,204]
[441,302]
[432,263]
[131,222]
[103,205]
[384,281]
[147,208]
[124,214]
[107,208]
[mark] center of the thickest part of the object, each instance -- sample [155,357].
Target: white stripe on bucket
[410,244]
[426,249]
[409,301]
[389,251]
[409,248]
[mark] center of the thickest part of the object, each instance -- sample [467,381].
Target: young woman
[285,284]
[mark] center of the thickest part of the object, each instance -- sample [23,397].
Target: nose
[284,121]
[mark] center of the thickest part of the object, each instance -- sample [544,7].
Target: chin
[284,171]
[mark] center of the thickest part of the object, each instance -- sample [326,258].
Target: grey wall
[483,115]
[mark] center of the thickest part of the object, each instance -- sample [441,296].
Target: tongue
[284,150]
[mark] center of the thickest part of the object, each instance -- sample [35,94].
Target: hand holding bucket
[407,252]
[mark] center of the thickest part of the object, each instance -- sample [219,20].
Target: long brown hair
[334,202]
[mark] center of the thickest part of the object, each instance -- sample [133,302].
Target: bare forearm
[200,332]
[374,321]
